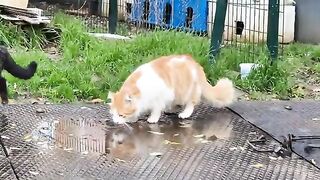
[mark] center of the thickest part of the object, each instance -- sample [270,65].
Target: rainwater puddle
[88,137]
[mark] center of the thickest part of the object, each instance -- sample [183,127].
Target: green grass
[89,67]
[13,36]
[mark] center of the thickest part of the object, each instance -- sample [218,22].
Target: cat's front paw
[152,120]
[184,115]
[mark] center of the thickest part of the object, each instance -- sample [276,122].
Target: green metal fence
[248,27]
[251,27]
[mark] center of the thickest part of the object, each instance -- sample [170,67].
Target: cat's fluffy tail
[221,95]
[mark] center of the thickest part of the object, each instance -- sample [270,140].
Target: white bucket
[246,68]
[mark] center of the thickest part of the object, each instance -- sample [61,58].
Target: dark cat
[7,63]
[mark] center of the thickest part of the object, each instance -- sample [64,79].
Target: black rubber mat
[79,142]
[280,118]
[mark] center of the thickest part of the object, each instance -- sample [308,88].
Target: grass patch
[89,67]
[14,36]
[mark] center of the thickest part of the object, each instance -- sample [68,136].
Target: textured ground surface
[79,142]
[280,118]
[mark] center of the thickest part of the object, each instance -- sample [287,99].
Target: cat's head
[122,107]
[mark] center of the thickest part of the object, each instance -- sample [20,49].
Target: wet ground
[80,142]
[141,138]
[127,141]
[285,120]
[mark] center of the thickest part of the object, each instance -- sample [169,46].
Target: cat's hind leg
[3,91]
[192,102]
[188,110]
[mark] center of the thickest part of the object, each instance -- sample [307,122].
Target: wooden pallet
[23,16]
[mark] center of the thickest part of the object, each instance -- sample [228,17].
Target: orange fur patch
[177,74]
[128,88]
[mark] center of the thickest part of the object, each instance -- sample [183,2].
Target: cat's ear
[110,95]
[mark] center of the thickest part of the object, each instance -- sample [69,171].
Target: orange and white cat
[164,83]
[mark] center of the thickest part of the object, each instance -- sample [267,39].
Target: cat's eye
[128,99]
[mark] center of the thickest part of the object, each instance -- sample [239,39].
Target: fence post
[113,16]
[218,28]
[273,28]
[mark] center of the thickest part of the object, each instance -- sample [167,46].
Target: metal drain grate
[38,154]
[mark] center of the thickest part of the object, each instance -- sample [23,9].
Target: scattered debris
[313,161]
[156,133]
[33,172]
[258,165]
[236,148]
[120,160]
[68,149]
[28,138]
[15,148]
[157,154]
[185,126]
[199,136]
[40,110]
[252,133]
[171,142]
[315,119]
[233,148]
[204,141]
[261,139]
[41,143]
[212,138]
[86,108]
[175,135]
[275,158]
[288,107]
[5,137]
[279,150]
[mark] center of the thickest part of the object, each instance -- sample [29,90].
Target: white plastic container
[246,68]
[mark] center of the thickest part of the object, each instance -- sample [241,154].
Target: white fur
[155,94]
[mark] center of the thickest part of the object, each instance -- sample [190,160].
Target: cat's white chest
[153,89]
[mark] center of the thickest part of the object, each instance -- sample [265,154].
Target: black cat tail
[23,73]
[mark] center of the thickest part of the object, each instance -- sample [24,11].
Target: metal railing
[242,24]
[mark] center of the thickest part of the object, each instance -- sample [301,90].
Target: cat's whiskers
[128,126]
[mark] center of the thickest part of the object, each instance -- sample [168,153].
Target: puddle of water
[121,142]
